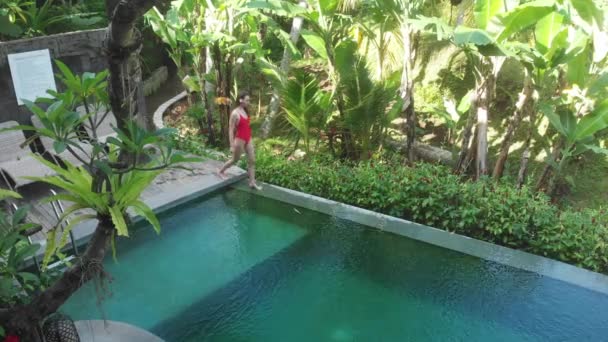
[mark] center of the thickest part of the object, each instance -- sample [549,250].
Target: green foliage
[16,285]
[118,168]
[522,17]
[305,105]
[432,195]
[197,112]
[20,18]
[369,106]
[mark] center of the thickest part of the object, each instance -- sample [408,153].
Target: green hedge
[432,195]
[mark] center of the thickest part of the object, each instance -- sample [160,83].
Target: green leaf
[59,146]
[20,215]
[578,68]
[286,40]
[69,78]
[546,30]
[465,35]
[485,10]
[523,17]
[146,212]
[26,252]
[328,6]
[465,102]
[8,194]
[593,122]
[8,28]
[104,167]
[315,42]
[119,221]
[66,230]
[600,84]
[589,12]
[28,277]
[597,149]
[280,8]
[554,119]
[51,247]
[180,158]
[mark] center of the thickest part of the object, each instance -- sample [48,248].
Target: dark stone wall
[80,51]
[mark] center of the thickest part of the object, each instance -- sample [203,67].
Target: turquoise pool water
[238,267]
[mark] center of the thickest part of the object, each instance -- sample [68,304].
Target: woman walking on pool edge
[240,139]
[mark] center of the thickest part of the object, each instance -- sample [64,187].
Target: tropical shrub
[434,196]
[24,18]
[17,286]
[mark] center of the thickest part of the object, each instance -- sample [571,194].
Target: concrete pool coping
[438,237]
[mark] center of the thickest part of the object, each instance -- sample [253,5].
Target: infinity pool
[238,267]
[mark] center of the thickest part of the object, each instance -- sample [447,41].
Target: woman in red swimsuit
[240,139]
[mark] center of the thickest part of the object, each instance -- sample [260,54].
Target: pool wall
[460,243]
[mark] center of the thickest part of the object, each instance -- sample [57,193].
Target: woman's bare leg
[236,155]
[250,151]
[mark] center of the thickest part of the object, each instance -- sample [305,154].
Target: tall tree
[406,90]
[273,108]
[123,44]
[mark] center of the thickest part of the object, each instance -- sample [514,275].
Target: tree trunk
[523,168]
[209,111]
[123,43]
[406,90]
[471,153]
[273,108]
[481,160]
[22,320]
[523,105]
[547,171]
[224,106]
[486,96]
[209,88]
[427,153]
[466,138]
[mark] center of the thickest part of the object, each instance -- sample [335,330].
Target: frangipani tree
[115,171]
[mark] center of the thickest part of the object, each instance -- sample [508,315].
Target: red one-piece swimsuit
[243,129]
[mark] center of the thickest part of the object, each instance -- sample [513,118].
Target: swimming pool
[234,266]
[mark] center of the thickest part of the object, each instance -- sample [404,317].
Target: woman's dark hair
[242,96]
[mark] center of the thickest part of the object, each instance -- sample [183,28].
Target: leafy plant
[16,285]
[305,105]
[434,196]
[38,21]
[11,13]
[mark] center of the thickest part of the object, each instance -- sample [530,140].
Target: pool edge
[161,202]
[485,250]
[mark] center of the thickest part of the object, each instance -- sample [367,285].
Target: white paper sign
[32,74]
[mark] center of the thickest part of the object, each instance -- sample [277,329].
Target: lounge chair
[16,161]
[47,143]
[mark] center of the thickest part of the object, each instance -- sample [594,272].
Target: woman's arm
[234,118]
